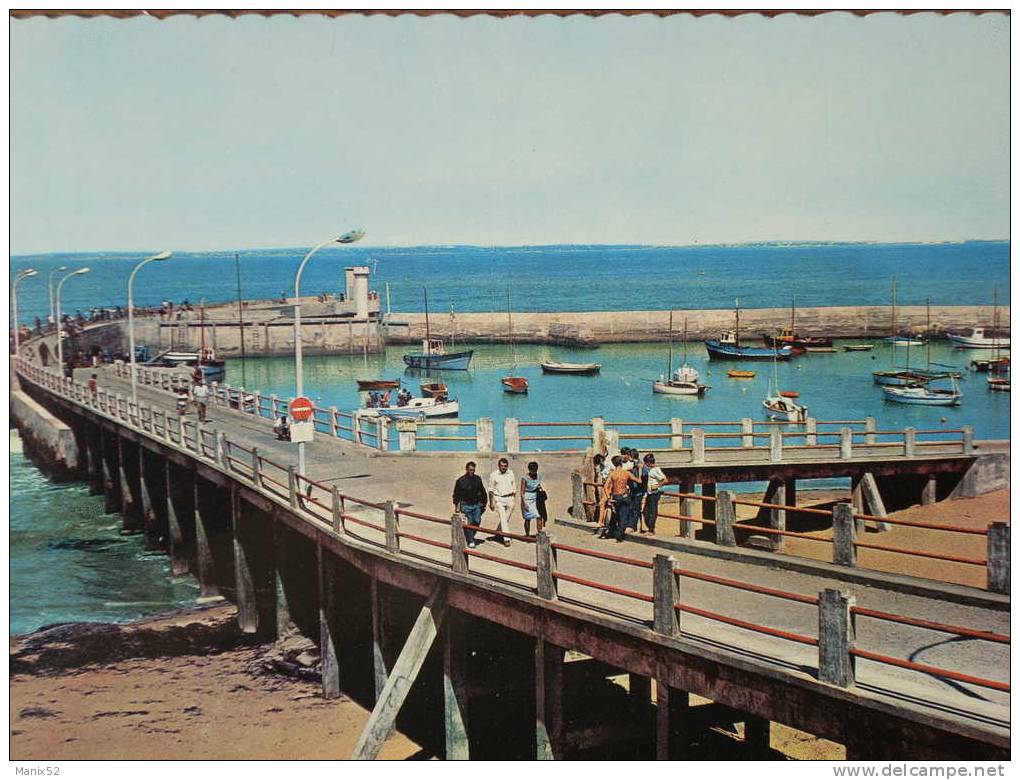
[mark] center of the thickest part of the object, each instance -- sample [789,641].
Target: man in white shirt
[502,491]
[656,478]
[200,393]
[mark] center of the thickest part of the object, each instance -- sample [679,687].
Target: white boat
[415,408]
[999,383]
[683,381]
[779,407]
[924,395]
[980,338]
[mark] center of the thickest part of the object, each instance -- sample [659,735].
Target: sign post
[303,428]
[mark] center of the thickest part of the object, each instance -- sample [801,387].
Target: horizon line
[696,245]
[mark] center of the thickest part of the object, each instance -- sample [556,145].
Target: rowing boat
[554,367]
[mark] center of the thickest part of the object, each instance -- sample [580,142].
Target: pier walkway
[922,662]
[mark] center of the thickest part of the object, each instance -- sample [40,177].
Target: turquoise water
[835,386]
[553,278]
[68,561]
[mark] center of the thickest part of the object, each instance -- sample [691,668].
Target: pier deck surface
[424,484]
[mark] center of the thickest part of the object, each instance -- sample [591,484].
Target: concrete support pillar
[458,543]
[687,507]
[484,435]
[747,432]
[998,558]
[708,507]
[111,471]
[929,491]
[757,735]
[639,687]
[666,595]
[511,436]
[909,442]
[548,700]
[328,624]
[846,443]
[545,558]
[968,439]
[130,508]
[844,532]
[392,531]
[672,708]
[383,441]
[612,439]
[676,430]
[206,565]
[725,517]
[244,579]
[811,432]
[281,600]
[407,435]
[777,517]
[380,633]
[179,514]
[869,430]
[151,479]
[835,638]
[698,445]
[791,491]
[775,445]
[455,687]
[857,494]
[598,434]
[578,511]
[94,448]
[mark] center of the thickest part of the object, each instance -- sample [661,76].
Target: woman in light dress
[531,484]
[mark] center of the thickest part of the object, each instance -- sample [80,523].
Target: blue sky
[214,133]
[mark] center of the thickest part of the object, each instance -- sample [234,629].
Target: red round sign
[301,409]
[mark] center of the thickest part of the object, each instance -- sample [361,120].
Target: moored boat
[414,408]
[980,338]
[998,383]
[735,374]
[857,347]
[683,381]
[924,395]
[995,366]
[555,367]
[512,383]
[515,384]
[728,347]
[779,407]
[433,354]
[434,389]
[378,384]
[213,369]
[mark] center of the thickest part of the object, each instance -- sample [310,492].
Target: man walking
[617,487]
[201,395]
[502,491]
[469,499]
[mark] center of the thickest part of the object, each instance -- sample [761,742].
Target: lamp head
[162,255]
[80,271]
[60,268]
[351,236]
[26,272]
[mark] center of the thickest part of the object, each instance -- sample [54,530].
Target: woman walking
[531,485]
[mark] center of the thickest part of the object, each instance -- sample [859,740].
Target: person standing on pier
[201,395]
[654,478]
[469,499]
[530,486]
[502,491]
[618,489]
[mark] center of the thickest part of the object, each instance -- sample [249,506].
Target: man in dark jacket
[469,497]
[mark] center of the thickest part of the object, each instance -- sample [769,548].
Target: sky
[214,133]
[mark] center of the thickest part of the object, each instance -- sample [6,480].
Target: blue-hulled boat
[924,395]
[433,354]
[727,347]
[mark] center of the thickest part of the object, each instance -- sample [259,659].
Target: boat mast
[510,329]
[669,368]
[428,335]
[201,351]
[927,327]
[736,311]
[793,315]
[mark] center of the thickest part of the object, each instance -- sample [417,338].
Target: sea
[69,562]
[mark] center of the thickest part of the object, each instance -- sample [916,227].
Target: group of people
[198,395]
[471,497]
[631,489]
[380,400]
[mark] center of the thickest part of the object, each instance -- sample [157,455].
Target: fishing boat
[999,383]
[820,349]
[683,381]
[980,338]
[735,374]
[788,337]
[378,384]
[554,367]
[906,376]
[415,408]
[924,395]
[728,347]
[433,354]
[213,369]
[512,383]
[434,389]
[858,347]
[994,366]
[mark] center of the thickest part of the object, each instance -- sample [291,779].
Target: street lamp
[131,318]
[53,313]
[24,273]
[347,238]
[60,335]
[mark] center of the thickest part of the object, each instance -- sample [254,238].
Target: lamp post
[60,335]
[24,273]
[53,313]
[131,319]
[347,238]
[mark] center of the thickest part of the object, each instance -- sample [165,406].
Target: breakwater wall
[48,441]
[605,327]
